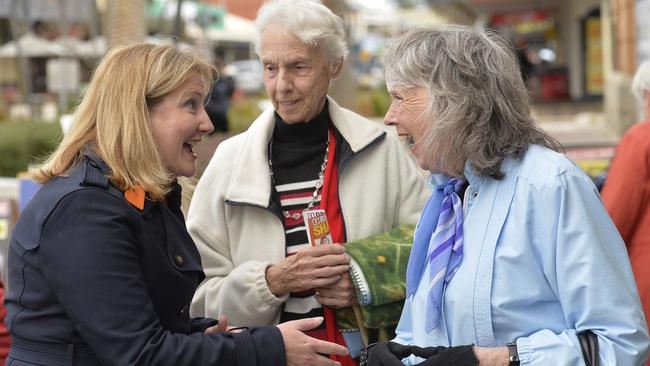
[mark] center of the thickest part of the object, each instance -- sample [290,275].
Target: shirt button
[179,260]
[475,193]
[184,310]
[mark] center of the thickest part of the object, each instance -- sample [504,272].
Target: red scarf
[330,203]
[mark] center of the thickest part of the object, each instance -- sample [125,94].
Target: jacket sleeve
[586,264]
[626,182]
[89,254]
[237,290]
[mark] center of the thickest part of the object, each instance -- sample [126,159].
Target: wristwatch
[513,356]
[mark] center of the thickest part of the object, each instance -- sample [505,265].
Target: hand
[221,326]
[339,294]
[384,354]
[442,356]
[302,349]
[497,356]
[309,268]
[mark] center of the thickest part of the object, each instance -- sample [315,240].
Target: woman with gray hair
[627,189]
[514,254]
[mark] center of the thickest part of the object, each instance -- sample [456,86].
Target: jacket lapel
[251,176]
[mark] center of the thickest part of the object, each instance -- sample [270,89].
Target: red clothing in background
[4,333]
[626,195]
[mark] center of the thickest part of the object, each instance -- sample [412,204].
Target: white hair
[641,82]
[311,22]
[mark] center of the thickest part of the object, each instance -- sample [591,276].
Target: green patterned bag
[378,272]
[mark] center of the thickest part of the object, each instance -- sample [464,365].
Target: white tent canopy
[235,29]
[33,46]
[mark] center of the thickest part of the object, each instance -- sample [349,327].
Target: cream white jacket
[238,235]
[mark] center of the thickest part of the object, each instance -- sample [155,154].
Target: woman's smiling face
[178,123]
[408,114]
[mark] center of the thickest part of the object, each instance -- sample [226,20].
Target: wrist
[492,356]
[513,355]
[272,281]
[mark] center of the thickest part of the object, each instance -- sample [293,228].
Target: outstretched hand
[222,326]
[302,349]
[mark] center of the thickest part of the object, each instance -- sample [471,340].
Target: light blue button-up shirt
[542,261]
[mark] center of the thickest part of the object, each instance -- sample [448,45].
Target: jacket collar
[251,180]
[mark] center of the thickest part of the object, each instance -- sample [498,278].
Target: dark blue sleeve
[89,254]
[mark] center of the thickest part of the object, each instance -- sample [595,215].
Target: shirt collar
[439,180]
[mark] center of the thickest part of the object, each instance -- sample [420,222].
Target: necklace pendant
[289,215]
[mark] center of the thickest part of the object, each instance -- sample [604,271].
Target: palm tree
[343,89]
[126,21]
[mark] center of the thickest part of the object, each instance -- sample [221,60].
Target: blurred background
[577,57]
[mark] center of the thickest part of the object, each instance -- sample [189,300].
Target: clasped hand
[391,354]
[323,268]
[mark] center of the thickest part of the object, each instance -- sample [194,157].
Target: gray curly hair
[479,106]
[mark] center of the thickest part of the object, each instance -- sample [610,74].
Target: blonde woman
[102,270]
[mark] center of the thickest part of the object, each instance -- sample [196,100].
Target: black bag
[589,344]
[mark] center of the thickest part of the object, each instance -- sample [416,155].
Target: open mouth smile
[189,147]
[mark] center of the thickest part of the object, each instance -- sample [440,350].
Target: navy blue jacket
[94,280]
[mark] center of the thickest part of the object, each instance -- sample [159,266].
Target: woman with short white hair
[514,255]
[306,155]
[312,23]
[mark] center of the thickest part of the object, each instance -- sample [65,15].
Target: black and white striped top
[297,153]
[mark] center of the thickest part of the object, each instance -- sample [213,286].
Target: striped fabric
[297,153]
[294,197]
[446,250]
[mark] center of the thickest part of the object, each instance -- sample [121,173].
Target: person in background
[626,192]
[304,153]
[514,254]
[5,339]
[101,267]
[219,98]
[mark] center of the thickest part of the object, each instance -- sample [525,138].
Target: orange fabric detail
[135,197]
[330,203]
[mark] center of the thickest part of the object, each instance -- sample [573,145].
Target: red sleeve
[627,177]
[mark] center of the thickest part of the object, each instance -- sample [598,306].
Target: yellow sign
[594,57]
[4,229]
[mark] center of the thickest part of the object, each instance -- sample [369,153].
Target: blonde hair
[113,121]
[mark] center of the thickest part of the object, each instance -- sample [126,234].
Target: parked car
[247,75]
